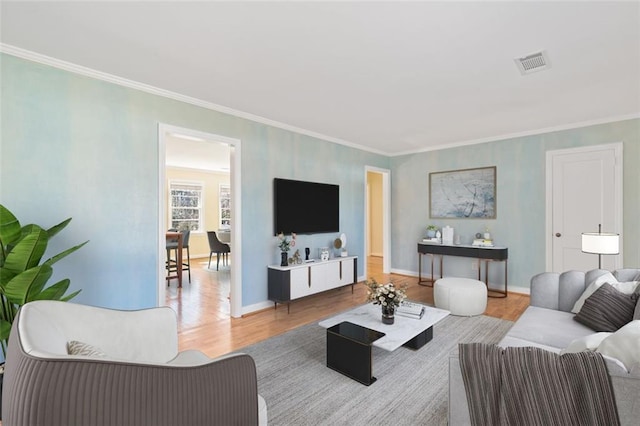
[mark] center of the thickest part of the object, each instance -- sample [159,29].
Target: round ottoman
[460,296]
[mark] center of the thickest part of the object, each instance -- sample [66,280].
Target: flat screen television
[305,207]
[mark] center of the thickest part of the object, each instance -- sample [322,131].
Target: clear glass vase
[388,314]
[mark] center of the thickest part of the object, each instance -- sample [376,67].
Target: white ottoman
[460,296]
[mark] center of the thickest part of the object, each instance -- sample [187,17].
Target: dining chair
[173,245]
[219,248]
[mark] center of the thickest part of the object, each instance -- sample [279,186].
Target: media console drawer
[287,283]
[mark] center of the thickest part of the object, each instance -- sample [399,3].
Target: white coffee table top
[396,334]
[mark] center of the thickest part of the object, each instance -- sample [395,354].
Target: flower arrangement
[385,294]
[284,243]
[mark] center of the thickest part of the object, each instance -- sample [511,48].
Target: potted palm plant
[23,277]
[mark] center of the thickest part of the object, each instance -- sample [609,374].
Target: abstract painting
[469,193]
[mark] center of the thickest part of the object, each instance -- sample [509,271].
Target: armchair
[139,379]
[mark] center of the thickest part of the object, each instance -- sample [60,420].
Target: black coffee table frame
[349,351]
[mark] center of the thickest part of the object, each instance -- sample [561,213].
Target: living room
[82,141]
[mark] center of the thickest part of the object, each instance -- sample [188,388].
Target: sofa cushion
[607,309]
[547,327]
[624,345]
[586,343]
[626,287]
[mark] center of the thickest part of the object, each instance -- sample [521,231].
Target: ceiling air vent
[532,63]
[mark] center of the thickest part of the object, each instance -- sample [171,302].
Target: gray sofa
[548,323]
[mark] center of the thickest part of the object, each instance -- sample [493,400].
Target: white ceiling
[184,152]
[393,77]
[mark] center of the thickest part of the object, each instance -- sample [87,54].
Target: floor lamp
[600,243]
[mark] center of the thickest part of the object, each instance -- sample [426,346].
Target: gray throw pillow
[607,309]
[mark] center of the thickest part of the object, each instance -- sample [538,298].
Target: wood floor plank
[203,308]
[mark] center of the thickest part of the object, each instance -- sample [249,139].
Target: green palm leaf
[25,286]
[29,250]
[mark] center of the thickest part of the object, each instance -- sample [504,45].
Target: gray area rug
[412,386]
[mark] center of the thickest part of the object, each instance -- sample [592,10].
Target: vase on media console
[388,314]
[284,261]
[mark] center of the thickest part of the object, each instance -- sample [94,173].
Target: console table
[486,254]
[287,283]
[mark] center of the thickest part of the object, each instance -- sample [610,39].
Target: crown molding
[99,75]
[521,134]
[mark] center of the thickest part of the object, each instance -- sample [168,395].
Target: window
[186,206]
[225,206]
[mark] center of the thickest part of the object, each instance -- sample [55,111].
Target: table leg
[420,280]
[351,358]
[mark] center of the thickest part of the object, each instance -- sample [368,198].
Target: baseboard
[261,306]
[510,289]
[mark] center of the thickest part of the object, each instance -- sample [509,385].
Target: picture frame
[463,194]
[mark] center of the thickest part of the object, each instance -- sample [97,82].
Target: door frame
[386,218]
[236,209]
[617,148]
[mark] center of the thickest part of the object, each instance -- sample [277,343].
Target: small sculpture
[296,258]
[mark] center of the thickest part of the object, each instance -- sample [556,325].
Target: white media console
[287,283]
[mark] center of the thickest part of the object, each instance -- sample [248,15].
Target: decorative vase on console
[284,245]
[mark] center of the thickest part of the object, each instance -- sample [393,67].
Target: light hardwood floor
[203,308]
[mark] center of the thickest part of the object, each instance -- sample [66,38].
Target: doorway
[377,221]
[584,190]
[165,133]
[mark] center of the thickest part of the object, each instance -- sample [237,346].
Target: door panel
[583,196]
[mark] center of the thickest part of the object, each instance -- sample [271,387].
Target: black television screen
[305,207]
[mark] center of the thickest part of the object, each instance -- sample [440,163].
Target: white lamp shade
[600,243]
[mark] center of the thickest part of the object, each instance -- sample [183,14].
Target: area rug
[412,385]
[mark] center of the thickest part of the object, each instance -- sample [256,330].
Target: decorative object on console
[469,193]
[337,244]
[284,245]
[343,238]
[296,259]
[387,296]
[431,231]
[306,253]
[447,235]
[323,253]
[600,243]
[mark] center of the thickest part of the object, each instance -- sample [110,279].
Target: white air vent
[534,62]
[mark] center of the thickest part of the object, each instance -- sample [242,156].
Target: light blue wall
[520,223]
[73,146]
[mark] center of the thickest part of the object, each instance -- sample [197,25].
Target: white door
[584,190]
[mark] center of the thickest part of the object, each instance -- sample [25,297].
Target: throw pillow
[75,347]
[607,309]
[586,343]
[625,287]
[623,345]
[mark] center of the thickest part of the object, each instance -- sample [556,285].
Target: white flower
[384,303]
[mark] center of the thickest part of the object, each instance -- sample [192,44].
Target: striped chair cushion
[607,309]
[75,347]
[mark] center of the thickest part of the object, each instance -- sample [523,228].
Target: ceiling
[184,151]
[391,77]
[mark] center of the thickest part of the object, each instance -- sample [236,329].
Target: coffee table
[351,334]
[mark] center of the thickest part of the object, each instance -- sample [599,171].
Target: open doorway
[377,218]
[207,166]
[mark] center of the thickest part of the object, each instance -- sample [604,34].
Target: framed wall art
[468,193]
